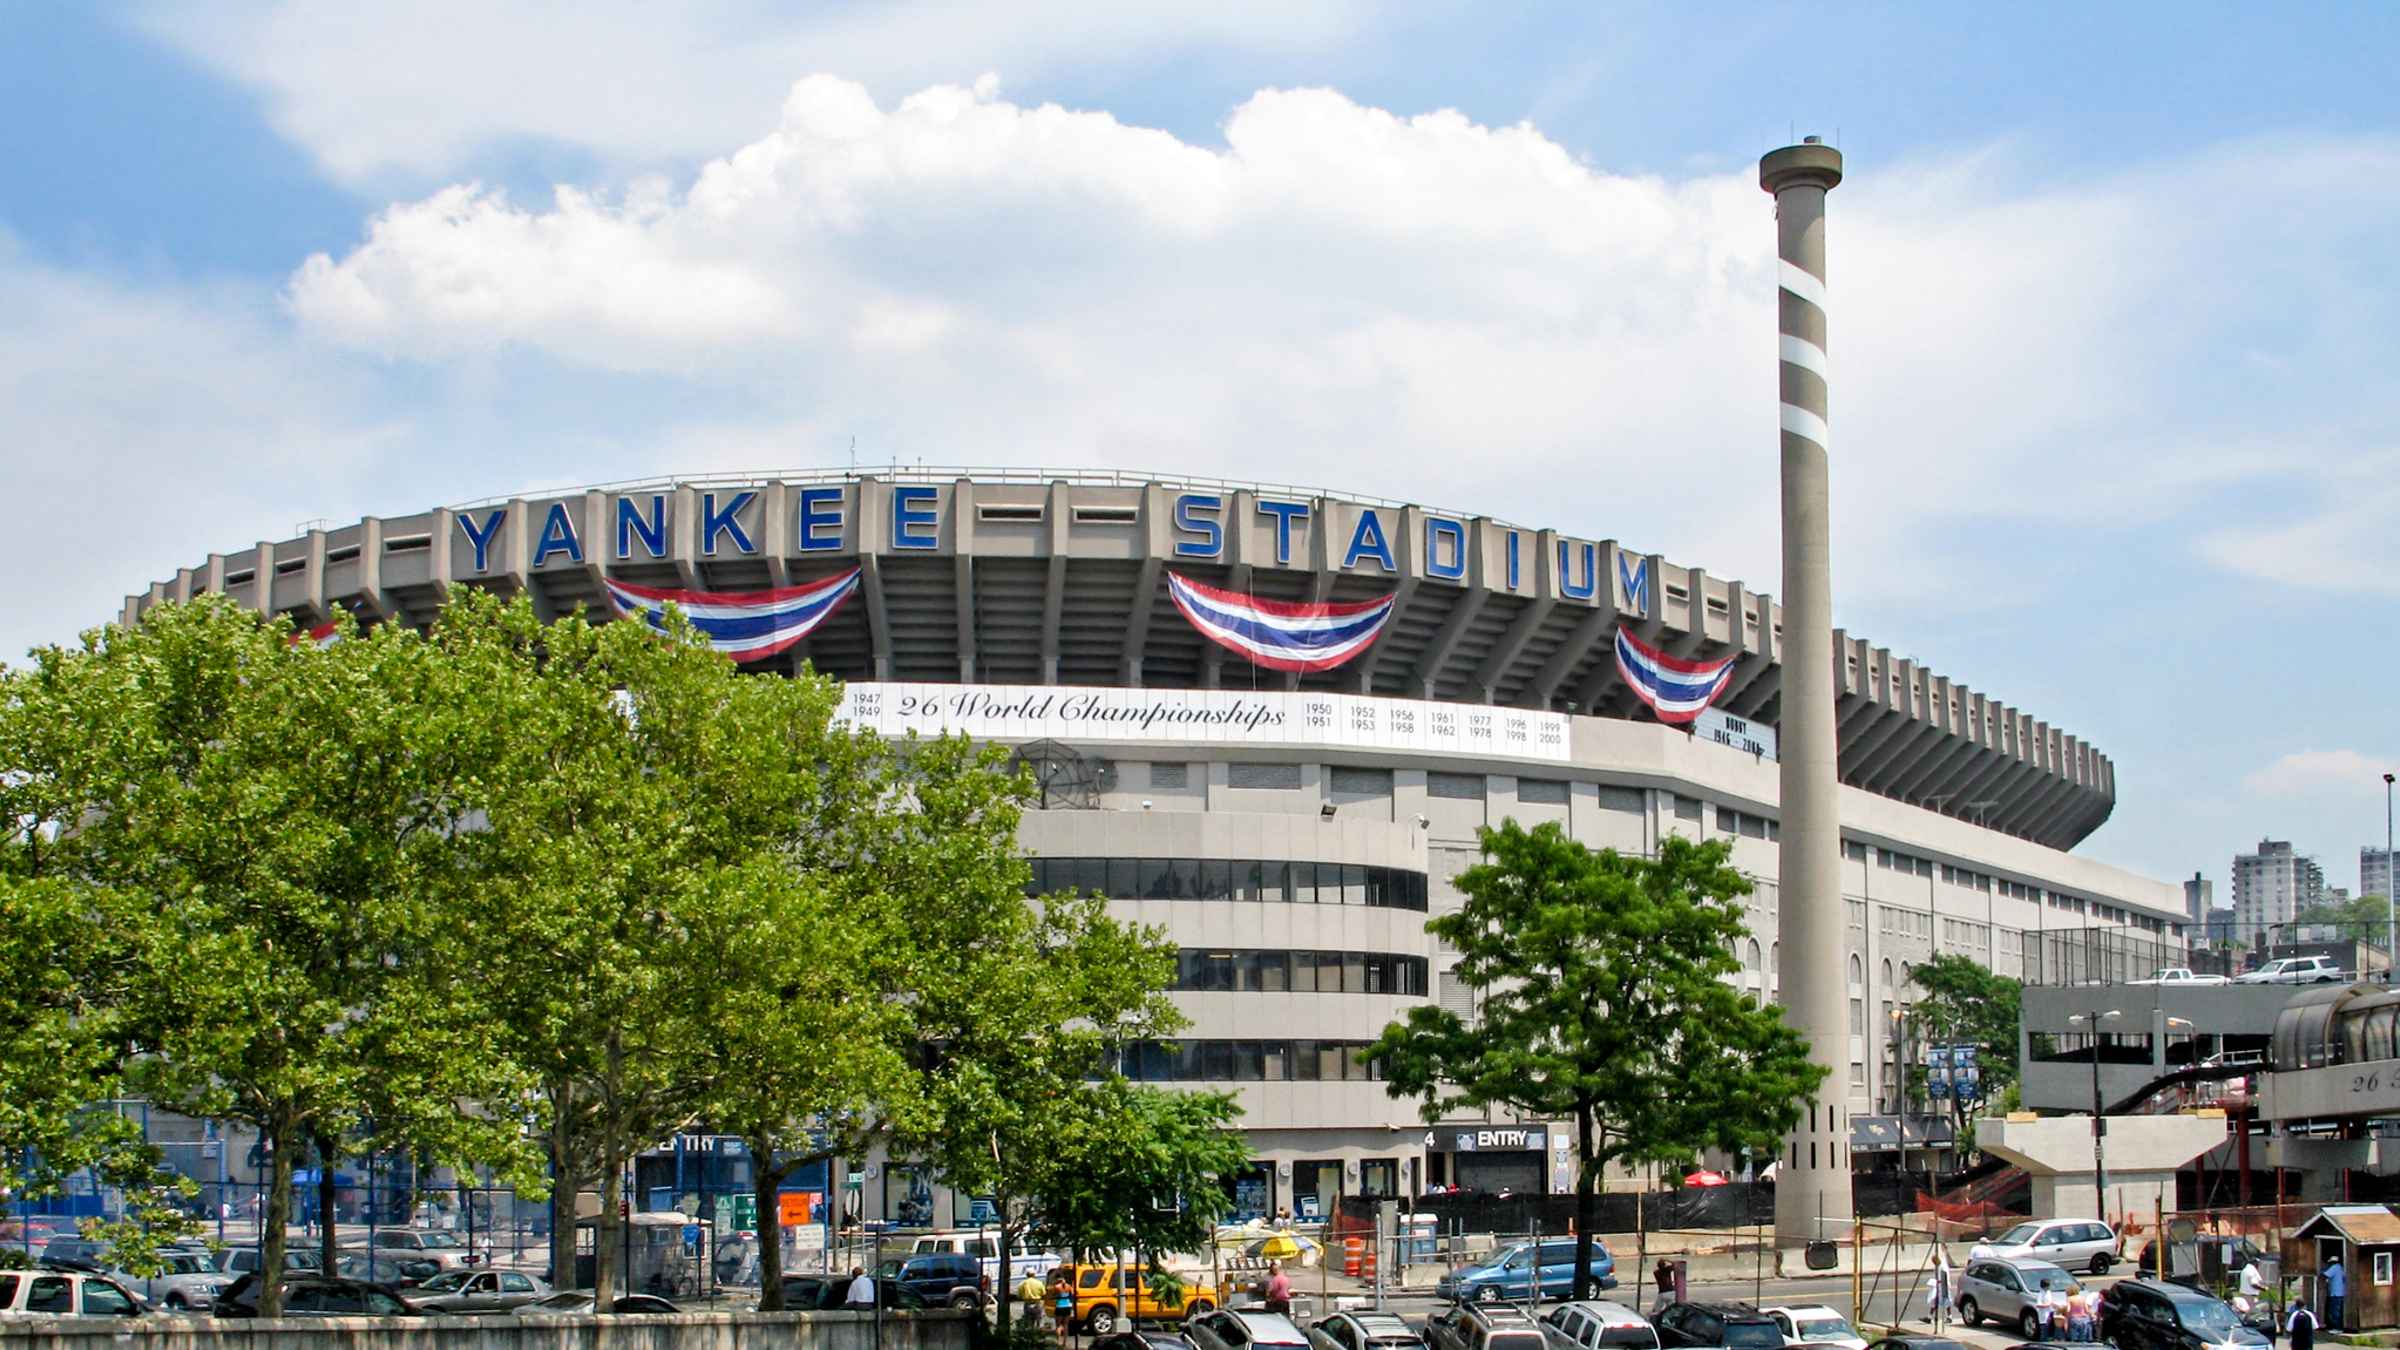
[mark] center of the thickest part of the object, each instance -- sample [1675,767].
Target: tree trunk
[606,1233]
[325,1193]
[274,1228]
[565,1185]
[766,1182]
[1008,1240]
[1587,1209]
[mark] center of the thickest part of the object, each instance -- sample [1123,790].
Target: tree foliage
[1963,1003]
[1606,997]
[2358,918]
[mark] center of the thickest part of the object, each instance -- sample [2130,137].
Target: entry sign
[794,1208]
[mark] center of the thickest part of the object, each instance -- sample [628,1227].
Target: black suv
[2155,1315]
[1737,1326]
[943,1277]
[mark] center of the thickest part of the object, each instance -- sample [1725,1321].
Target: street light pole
[2099,1121]
[2391,905]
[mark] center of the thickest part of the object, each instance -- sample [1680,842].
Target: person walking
[2337,1285]
[1279,1290]
[2045,1311]
[1029,1292]
[1062,1304]
[861,1297]
[2079,1315]
[2302,1327]
[2252,1283]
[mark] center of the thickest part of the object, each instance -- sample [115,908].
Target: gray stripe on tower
[1812,1188]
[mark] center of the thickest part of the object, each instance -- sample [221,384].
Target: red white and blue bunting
[1281,634]
[322,636]
[1677,691]
[745,625]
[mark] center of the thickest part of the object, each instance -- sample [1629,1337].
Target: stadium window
[1854,850]
[1752,827]
[1542,791]
[1269,777]
[1727,820]
[1350,782]
[1170,775]
[1614,798]
[1465,787]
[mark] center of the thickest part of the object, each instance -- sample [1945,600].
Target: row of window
[1199,1061]
[1300,883]
[1203,970]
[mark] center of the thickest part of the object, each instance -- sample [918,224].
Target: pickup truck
[2294,970]
[2182,975]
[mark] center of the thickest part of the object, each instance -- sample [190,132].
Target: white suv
[65,1293]
[2075,1244]
[2294,970]
[1023,1260]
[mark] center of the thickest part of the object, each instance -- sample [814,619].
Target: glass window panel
[1275,1064]
[1542,791]
[1354,973]
[1152,884]
[1037,877]
[1379,887]
[1305,1067]
[1354,884]
[1304,883]
[1728,820]
[1355,1063]
[1304,972]
[1216,879]
[1183,878]
[1457,786]
[1249,1059]
[1124,879]
[1379,974]
[1275,971]
[1275,881]
[1216,1061]
[1217,977]
[1329,974]
[1246,975]
[1249,878]
[1332,1064]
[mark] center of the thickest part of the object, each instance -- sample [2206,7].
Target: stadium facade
[1271,719]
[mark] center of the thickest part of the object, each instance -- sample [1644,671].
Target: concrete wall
[692,1331]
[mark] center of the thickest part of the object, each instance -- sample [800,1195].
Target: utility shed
[2367,1238]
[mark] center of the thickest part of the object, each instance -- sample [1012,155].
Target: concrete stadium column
[1812,1188]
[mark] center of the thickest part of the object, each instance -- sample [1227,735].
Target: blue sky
[2112,322]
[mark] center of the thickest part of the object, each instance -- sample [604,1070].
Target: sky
[2112,310]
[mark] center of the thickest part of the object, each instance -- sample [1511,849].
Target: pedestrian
[1029,1292]
[1062,1304]
[861,1297]
[1664,1275]
[2079,1315]
[1279,1289]
[2252,1283]
[2045,1310]
[2337,1284]
[2302,1327]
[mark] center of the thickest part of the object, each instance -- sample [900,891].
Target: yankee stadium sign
[873,516]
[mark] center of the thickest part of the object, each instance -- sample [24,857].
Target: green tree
[1962,1003]
[1134,1168]
[274,816]
[1605,985]
[2359,918]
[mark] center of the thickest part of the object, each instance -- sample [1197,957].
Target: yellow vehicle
[1108,1297]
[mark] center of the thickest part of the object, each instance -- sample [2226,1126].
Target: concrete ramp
[2143,1154]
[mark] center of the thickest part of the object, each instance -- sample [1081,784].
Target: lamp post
[2099,1122]
[2391,906]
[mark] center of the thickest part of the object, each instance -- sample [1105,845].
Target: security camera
[1145,803]
[1423,820]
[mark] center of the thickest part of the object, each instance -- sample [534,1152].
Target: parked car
[243,1260]
[70,1249]
[2294,970]
[1483,1326]
[1144,1340]
[446,1250]
[66,1293]
[1737,1326]
[317,1296]
[393,1268]
[1593,1324]
[1228,1329]
[478,1291]
[2004,1289]
[1815,1324]
[187,1281]
[984,1245]
[2155,1315]
[1514,1273]
[1363,1331]
[1106,1297]
[575,1302]
[944,1278]
[1919,1343]
[2077,1244]
[2178,975]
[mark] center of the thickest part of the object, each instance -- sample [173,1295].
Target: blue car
[1515,1273]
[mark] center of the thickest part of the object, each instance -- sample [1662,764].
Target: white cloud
[1418,306]
[146,426]
[415,88]
[2307,771]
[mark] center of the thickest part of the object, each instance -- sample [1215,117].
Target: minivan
[1517,1272]
[2076,1244]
